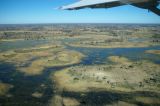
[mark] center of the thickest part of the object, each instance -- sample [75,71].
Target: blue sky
[43,11]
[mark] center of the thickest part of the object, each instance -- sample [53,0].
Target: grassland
[122,83]
[87,35]
[122,76]
[33,61]
[103,44]
[153,52]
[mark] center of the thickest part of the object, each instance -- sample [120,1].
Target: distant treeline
[43,31]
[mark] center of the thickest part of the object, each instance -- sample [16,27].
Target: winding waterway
[24,86]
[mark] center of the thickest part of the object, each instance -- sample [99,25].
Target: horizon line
[71,23]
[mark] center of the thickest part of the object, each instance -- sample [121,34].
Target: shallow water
[99,55]
[24,86]
[20,44]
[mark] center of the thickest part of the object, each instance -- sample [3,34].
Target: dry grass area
[21,56]
[108,41]
[119,60]
[153,52]
[70,102]
[102,44]
[33,61]
[148,100]
[113,45]
[64,81]
[4,88]
[122,103]
[57,100]
[124,76]
[61,58]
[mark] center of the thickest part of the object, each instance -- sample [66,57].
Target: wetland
[80,65]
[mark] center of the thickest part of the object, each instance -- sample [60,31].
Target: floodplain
[80,65]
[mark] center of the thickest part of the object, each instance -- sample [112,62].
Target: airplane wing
[155,10]
[145,4]
[93,4]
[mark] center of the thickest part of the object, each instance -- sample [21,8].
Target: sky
[45,11]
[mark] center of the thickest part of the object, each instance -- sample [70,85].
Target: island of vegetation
[33,61]
[43,61]
[4,88]
[153,52]
[122,76]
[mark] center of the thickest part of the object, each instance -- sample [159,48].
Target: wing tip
[65,8]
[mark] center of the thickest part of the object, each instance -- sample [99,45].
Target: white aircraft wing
[93,4]
[145,4]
